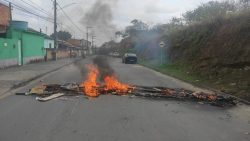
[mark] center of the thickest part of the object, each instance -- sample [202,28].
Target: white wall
[47,43]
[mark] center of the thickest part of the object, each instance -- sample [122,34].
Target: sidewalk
[16,76]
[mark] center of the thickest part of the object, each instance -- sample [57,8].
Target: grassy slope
[181,72]
[185,73]
[214,54]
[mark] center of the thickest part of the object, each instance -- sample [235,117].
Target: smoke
[81,66]
[103,66]
[100,17]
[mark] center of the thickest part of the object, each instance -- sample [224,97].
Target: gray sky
[123,11]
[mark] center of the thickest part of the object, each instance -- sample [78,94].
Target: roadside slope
[218,51]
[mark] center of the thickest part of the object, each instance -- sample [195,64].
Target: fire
[92,88]
[111,83]
[90,85]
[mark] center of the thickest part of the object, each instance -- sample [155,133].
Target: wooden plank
[49,97]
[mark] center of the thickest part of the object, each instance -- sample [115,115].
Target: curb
[23,83]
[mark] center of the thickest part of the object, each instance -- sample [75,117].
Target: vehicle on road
[114,54]
[129,58]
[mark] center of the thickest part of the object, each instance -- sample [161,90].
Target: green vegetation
[229,82]
[62,35]
[179,71]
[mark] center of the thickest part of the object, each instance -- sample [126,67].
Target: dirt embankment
[218,50]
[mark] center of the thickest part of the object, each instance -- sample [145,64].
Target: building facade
[10,52]
[31,44]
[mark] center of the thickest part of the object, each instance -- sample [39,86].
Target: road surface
[114,118]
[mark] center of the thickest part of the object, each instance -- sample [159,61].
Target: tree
[62,35]
[209,11]
[176,21]
[245,3]
[137,26]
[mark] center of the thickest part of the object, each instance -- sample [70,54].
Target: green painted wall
[32,45]
[8,48]
[15,34]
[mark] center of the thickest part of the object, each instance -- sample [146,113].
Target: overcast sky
[123,11]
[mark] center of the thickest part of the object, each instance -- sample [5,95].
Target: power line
[43,18]
[29,12]
[4,3]
[35,7]
[39,7]
[66,27]
[31,8]
[69,18]
[25,10]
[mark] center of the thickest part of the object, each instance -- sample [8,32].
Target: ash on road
[109,118]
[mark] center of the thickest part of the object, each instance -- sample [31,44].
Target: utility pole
[55,28]
[93,37]
[10,7]
[92,48]
[88,38]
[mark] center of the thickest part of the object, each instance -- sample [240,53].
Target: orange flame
[90,85]
[111,83]
[92,88]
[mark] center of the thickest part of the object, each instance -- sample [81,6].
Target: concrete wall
[63,54]
[8,52]
[60,54]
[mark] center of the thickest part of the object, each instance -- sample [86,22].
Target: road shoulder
[12,78]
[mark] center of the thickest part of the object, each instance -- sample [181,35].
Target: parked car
[129,58]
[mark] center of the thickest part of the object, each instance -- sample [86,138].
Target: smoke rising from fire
[100,17]
[103,66]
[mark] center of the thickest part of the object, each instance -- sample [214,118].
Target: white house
[48,43]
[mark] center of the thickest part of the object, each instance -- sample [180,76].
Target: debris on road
[53,91]
[38,90]
[110,85]
[53,96]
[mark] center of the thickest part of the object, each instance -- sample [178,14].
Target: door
[19,45]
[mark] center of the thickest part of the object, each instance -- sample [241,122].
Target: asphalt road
[114,118]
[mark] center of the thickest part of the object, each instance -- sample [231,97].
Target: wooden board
[49,97]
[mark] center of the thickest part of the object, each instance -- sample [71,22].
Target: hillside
[218,51]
